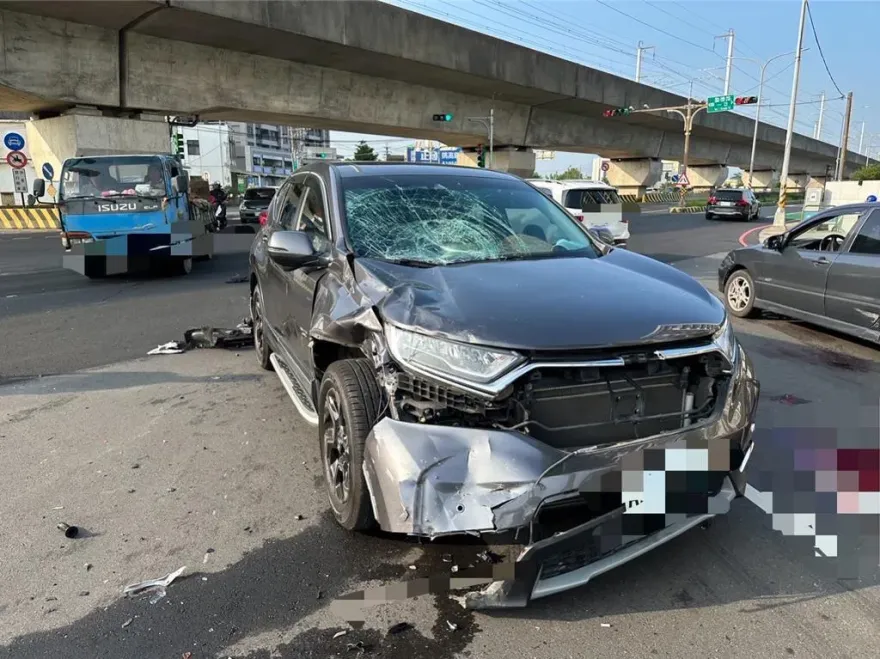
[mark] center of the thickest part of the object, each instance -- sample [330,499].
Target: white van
[596,205]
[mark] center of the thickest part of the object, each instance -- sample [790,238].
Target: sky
[604,34]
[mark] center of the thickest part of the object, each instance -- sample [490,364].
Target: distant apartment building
[243,155]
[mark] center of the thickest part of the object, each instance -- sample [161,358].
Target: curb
[693,209]
[17,218]
[774,230]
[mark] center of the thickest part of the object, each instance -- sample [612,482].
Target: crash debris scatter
[240,336]
[154,587]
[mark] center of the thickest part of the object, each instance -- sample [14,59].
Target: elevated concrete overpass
[360,66]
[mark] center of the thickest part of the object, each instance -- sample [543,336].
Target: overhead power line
[816,37]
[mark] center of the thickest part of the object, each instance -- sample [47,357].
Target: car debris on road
[154,587]
[241,336]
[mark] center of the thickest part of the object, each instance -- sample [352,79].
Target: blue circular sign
[48,171]
[13,141]
[872,199]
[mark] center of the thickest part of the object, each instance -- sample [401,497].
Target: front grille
[443,396]
[575,407]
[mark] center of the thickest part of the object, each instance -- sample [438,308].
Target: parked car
[740,203]
[594,204]
[254,202]
[476,363]
[825,270]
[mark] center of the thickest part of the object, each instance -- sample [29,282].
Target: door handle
[821,261]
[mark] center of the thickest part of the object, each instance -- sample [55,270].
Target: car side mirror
[775,243]
[293,249]
[180,184]
[39,188]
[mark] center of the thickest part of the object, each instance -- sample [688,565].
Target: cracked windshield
[457,219]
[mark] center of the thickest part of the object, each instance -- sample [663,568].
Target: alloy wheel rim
[257,318]
[337,456]
[739,293]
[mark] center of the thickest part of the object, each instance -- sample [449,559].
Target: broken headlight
[725,341]
[458,360]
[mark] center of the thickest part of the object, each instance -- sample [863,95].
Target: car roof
[357,169]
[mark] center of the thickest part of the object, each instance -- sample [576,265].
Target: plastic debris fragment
[154,587]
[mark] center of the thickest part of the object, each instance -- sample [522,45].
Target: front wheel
[184,266]
[258,329]
[349,406]
[709,216]
[739,294]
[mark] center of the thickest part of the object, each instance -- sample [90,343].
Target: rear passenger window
[868,240]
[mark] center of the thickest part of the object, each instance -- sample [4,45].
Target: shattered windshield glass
[437,220]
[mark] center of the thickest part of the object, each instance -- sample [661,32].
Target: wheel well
[733,270]
[325,353]
[253,282]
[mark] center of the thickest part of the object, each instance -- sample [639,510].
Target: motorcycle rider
[218,200]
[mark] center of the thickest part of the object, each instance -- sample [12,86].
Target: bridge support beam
[762,179]
[519,161]
[633,176]
[702,178]
[797,181]
[86,132]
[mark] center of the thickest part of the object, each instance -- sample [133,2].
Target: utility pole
[844,142]
[821,114]
[727,71]
[639,50]
[862,137]
[779,218]
[489,124]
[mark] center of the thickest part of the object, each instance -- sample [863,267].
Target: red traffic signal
[618,112]
[746,100]
[608,113]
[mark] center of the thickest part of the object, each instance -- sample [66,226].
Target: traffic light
[746,100]
[618,112]
[178,145]
[481,156]
[443,117]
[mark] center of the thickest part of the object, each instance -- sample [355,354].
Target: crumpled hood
[547,304]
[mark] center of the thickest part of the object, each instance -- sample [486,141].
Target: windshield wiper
[415,263]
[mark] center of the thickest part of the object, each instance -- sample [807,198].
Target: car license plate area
[725,203]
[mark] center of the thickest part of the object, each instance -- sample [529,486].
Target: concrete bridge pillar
[634,176]
[519,161]
[762,179]
[705,177]
[86,132]
[797,181]
[817,181]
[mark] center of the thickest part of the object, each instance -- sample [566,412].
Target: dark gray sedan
[826,271]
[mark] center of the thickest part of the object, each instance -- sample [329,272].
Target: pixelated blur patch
[789,399]
[631,207]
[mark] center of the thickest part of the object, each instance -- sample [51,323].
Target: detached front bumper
[437,480]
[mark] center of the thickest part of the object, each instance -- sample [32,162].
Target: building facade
[242,155]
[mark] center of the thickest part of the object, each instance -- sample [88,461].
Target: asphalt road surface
[199,460]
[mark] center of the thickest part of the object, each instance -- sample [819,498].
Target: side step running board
[294,389]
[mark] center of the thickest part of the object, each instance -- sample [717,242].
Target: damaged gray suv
[475,362]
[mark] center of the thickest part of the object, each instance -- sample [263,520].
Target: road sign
[13,141]
[19,180]
[48,171]
[683,180]
[720,103]
[675,178]
[16,159]
[605,166]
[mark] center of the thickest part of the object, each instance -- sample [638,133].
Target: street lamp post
[758,109]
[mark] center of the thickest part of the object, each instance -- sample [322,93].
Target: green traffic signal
[443,117]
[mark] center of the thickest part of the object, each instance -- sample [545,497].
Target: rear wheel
[184,266]
[349,406]
[709,215]
[739,294]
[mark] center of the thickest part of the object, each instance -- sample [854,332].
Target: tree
[364,152]
[868,173]
[569,174]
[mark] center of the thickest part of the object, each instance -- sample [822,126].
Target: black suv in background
[740,203]
[473,361]
[254,202]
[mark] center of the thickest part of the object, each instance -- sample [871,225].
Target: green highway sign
[719,104]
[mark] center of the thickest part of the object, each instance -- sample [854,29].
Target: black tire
[261,344]
[183,266]
[351,386]
[709,216]
[741,307]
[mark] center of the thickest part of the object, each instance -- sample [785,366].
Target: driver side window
[827,235]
